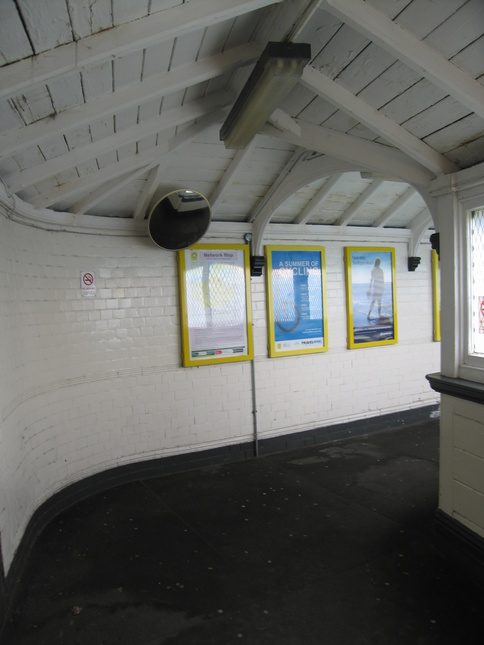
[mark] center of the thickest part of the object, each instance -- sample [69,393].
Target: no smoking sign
[88,284]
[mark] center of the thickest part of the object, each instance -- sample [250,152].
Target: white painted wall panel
[469,470]
[462,462]
[469,509]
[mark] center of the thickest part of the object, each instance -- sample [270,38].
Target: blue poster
[297,300]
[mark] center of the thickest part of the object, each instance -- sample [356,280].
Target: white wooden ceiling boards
[105,105]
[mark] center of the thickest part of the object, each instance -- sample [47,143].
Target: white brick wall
[91,383]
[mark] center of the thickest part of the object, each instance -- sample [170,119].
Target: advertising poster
[215,304]
[370,296]
[296,300]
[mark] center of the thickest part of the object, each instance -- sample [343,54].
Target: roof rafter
[112,43]
[105,191]
[146,159]
[172,118]
[409,49]
[379,123]
[13,141]
[228,176]
[366,154]
[148,191]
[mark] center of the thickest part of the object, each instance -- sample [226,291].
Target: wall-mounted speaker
[179,219]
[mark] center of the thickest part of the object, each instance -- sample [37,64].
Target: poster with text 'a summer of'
[296,300]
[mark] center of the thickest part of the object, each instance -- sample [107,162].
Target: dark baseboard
[461,548]
[340,431]
[100,482]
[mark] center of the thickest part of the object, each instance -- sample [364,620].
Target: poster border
[436,295]
[187,361]
[270,300]
[348,250]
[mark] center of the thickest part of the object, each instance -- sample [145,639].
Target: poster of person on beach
[370,296]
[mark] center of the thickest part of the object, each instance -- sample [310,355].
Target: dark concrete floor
[328,545]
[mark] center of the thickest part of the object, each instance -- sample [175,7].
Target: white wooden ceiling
[106,105]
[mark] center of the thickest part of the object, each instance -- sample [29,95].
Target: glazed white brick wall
[90,383]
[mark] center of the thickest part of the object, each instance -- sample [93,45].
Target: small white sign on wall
[481,314]
[88,284]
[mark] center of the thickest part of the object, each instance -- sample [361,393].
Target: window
[476,283]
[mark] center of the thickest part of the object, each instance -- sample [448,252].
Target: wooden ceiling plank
[162,84]
[70,159]
[393,208]
[98,18]
[104,192]
[47,22]
[111,43]
[323,192]
[147,159]
[369,116]
[412,51]
[127,69]
[14,43]
[353,209]
[74,189]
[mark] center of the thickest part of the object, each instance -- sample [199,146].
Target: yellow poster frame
[348,251]
[273,351]
[188,360]
[436,295]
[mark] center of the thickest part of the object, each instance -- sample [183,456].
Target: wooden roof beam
[379,123]
[19,180]
[158,85]
[113,43]
[413,52]
[146,159]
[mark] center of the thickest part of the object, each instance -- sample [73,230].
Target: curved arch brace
[422,221]
[307,170]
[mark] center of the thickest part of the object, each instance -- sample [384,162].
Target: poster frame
[436,295]
[352,330]
[274,352]
[187,359]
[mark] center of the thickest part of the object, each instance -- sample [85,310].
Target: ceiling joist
[147,159]
[375,121]
[366,154]
[13,141]
[172,118]
[122,39]
[410,50]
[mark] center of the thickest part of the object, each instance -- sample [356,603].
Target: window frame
[471,365]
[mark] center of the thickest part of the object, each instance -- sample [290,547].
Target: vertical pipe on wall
[254,410]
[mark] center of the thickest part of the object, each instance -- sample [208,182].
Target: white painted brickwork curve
[90,383]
